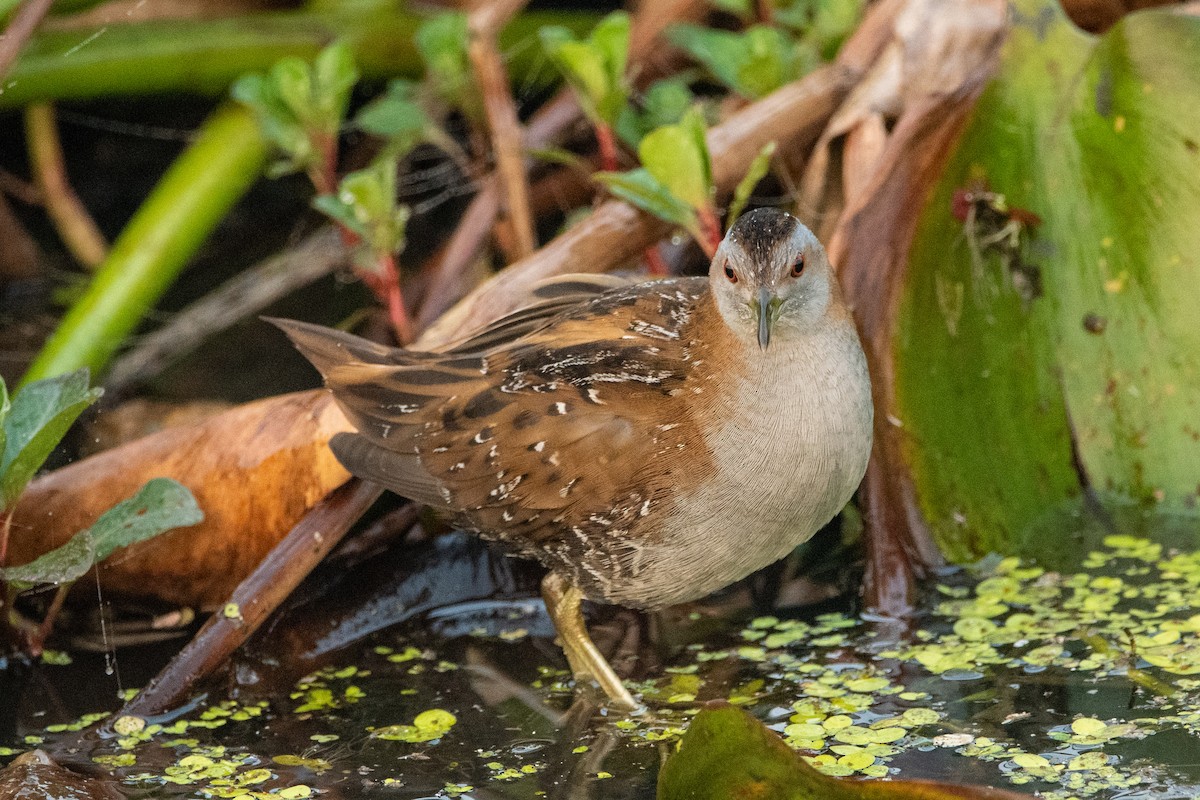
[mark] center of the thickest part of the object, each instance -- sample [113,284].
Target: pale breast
[788,454]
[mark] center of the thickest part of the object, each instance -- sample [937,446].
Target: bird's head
[771,278]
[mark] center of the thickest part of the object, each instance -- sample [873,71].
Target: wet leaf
[34,422]
[726,753]
[1044,318]
[162,504]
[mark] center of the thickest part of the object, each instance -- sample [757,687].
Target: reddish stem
[324,174]
[710,230]
[655,264]
[387,289]
[5,527]
[37,639]
[609,160]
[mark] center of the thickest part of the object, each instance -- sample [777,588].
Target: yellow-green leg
[563,600]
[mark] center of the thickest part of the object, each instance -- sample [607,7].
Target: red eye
[729,273]
[798,267]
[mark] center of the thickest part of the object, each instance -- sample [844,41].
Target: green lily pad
[1047,319]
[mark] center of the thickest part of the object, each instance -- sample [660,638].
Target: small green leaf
[823,24]
[297,102]
[39,417]
[334,76]
[646,192]
[278,123]
[64,564]
[664,103]
[160,505]
[342,213]
[594,67]
[677,156]
[753,63]
[442,41]
[366,204]
[291,79]
[667,101]
[398,117]
[756,172]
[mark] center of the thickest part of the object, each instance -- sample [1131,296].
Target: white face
[771,277]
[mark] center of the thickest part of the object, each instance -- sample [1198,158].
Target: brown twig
[255,598]
[22,25]
[505,128]
[75,226]
[20,256]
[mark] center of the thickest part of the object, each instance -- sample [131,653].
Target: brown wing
[519,437]
[547,299]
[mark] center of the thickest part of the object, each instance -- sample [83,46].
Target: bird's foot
[563,601]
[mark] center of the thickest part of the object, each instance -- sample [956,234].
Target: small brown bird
[649,443]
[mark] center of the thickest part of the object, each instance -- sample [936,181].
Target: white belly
[792,457]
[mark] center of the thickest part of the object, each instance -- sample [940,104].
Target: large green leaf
[643,190]
[727,754]
[37,420]
[1014,335]
[159,506]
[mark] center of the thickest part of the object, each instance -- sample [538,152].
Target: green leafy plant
[595,69]
[31,425]
[365,204]
[675,180]
[663,103]
[820,25]
[300,107]
[442,41]
[752,63]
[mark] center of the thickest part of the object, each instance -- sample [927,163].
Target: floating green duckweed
[426,727]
